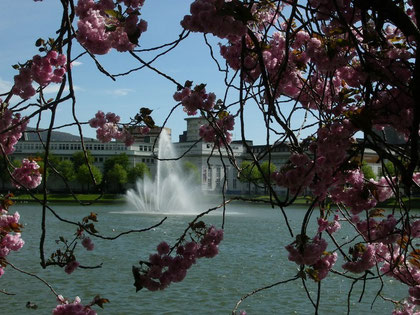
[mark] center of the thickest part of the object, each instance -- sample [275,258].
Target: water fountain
[171,191]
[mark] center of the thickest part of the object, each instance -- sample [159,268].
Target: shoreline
[120,198]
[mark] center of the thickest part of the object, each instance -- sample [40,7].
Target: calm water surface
[252,255]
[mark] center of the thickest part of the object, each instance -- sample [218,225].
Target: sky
[23,22]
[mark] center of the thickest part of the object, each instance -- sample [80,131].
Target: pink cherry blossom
[27,175]
[163,269]
[364,259]
[88,244]
[99,31]
[75,308]
[71,266]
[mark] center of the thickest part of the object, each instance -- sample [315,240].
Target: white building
[214,164]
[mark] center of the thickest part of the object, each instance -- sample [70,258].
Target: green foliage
[389,168]
[121,159]
[138,171]
[249,172]
[79,159]
[66,169]
[83,175]
[368,171]
[52,159]
[116,169]
[117,174]
[267,169]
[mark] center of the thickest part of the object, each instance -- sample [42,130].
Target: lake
[252,255]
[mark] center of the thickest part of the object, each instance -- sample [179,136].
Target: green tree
[248,174]
[53,161]
[83,176]
[389,169]
[109,164]
[367,171]
[267,168]
[79,159]
[117,175]
[121,159]
[66,169]
[138,171]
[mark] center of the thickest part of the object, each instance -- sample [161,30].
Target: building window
[209,184]
[234,183]
[204,175]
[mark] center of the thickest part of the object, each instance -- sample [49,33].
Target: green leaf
[114,14]
[110,28]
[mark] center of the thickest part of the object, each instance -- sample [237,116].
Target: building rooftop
[31,135]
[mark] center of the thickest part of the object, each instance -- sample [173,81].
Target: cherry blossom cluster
[15,126]
[330,227]
[313,254]
[358,194]
[296,175]
[87,243]
[218,134]
[162,269]
[407,307]
[71,266]
[384,231]
[195,99]
[102,26]
[363,258]
[42,70]
[334,51]
[10,236]
[27,175]
[330,150]
[74,308]
[215,17]
[107,128]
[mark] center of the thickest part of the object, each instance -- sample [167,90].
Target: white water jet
[171,191]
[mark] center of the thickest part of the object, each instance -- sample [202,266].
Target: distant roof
[31,135]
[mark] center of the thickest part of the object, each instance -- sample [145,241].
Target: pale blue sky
[23,21]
